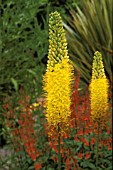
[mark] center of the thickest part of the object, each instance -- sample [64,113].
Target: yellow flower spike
[99,91]
[57,85]
[58,78]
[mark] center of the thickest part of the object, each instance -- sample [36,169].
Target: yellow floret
[57,85]
[99,91]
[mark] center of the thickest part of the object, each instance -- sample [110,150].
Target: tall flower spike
[58,78]
[57,41]
[99,91]
[98,67]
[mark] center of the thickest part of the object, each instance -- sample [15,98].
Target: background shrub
[89,29]
[24,44]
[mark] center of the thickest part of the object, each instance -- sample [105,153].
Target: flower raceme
[57,86]
[58,78]
[57,41]
[99,90]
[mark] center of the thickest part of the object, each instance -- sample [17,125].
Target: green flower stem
[59,154]
[97,148]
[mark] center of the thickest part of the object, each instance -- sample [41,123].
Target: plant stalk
[59,154]
[97,147]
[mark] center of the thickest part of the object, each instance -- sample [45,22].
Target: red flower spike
[80,155]
[37,166]
[76,138]
[87,156]
[93,140]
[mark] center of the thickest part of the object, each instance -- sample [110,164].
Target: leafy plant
[89,29]
[23,44]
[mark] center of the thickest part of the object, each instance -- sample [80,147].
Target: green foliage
[24,43]
[89,29]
